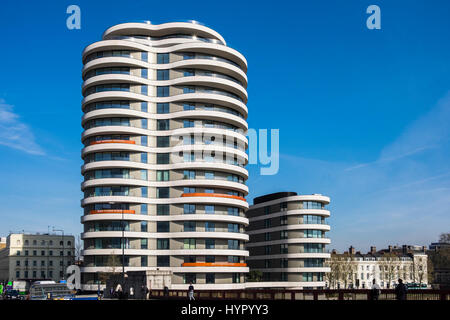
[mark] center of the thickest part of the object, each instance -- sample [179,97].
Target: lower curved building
[288,240]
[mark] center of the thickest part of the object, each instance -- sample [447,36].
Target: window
[144,123]
[162,226]
[283,234]
[188,174]
[189,243]
[189,208]
[188,55]
[188,190]
[188,123]
[210,278]
[162,175]
[18,263]
[233,211]
[284,248]
[144,140]
[267,236]
[307,276]
[144,90]
[162,244]
[162,108]
[233,227]
[233,244]
[162,58]
[144,244]
[143,226]
[209,175]
[162,124]
[144,157]
[144,192]
[144,56]
[190,278]
[163,142]
[283,206]
[162,75]
[267,223]
[188,106]
[283,220]
[311,219]
[144,208]
[210,226]
[17,274]
[209,243]
[236,278]
[188,157]
[34,252]
[162,91]
[188,89]
[209,209]
[313,234]
[144,175]
[163,261]
[144,261]
[189,226]
[162,192]
[162,209]
[144,73]
[189,73]
[162,158]
[43,252]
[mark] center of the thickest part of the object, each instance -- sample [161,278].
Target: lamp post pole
[63,265]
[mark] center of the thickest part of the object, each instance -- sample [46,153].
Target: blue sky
[363,114]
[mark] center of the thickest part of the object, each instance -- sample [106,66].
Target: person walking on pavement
[400,290]
[131,293]
[375,292]
[191,291]
[119,291]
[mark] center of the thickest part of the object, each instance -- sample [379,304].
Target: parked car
[13,295]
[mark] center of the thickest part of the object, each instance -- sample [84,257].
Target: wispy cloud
[16,134]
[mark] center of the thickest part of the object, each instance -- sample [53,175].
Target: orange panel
[113,141]
[112,211]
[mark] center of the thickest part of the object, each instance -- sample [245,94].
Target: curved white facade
[164,117]
[287,240]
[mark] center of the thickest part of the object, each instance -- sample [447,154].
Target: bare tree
[444,238]
[78,249]
[389,265]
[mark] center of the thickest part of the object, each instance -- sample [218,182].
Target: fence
[277,294]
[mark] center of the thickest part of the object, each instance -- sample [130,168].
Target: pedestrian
[111,292]
[166,292]
[375,292]
[119,291]
[191,291]
[400,290]
[131,293]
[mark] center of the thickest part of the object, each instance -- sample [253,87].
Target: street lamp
[63,264]
[122,244]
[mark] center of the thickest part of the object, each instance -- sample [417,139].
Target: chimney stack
[390,248]
[351,250]
[405,249]
[373,250]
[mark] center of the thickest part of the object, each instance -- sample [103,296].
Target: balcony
[218,195]
[213,264]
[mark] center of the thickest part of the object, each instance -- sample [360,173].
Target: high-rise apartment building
[164,117]
[288,240]
[35,257]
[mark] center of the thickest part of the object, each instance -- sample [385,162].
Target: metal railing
[312,294]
